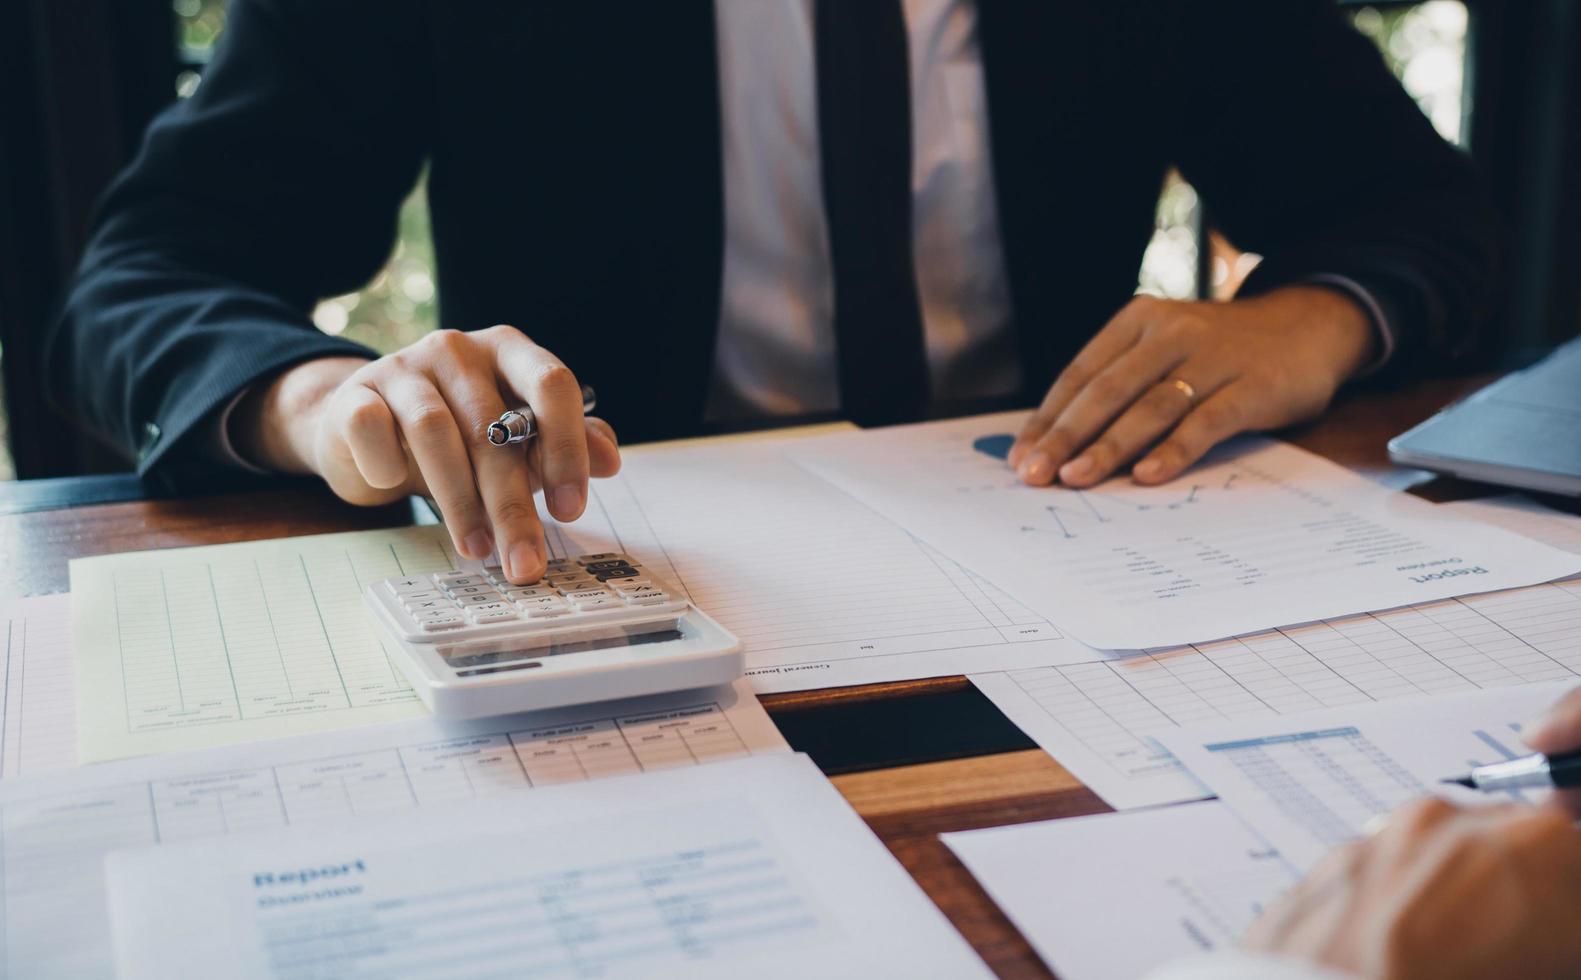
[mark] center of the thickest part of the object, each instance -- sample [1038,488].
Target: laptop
[1523,430]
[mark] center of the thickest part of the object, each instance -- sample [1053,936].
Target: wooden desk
[951,775]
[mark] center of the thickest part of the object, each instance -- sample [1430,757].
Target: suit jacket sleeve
[277,184]
[1307,151]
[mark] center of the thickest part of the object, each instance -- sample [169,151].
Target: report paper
[822,590]
[751,868]
[56,830]
[1312,782]
[1116,895]
[193,647]
[38,709]
[1525,516]
[1101,719]
[1258,535]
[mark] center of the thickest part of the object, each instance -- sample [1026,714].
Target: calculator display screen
[474,659]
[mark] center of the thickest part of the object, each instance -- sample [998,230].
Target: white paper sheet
[1259,535]
[55,830]
[1099,719]
[1115,895]
[755,867]
[193,647]
[38,709]
[822,590]
[1311,782]
[1525,516]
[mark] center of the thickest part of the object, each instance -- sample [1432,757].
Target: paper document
[1259,535]
[1523,515]
[1313,781]
[55,830]
[821,590]
[192,647]
[1099,719]
[1115,895]
[757,867]
[38,712]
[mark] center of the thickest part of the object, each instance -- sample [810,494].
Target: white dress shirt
[776,346]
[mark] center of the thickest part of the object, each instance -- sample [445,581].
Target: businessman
[727,211]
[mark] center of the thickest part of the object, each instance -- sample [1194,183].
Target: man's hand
[1251,364]
[1559,731]
[416,422]
[1441,892]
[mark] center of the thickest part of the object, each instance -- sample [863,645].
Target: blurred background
[79,80]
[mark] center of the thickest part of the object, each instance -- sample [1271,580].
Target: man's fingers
[560,448]
[1152,415]
[1094,407]
[1114,339]
[1560,729]
[603,450]
[368,429]
[437,446]
[1221,415]
[471,390]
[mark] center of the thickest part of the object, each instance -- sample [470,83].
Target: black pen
[519,424]
[1528,772]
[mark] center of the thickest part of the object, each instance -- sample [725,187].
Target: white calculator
[596,628]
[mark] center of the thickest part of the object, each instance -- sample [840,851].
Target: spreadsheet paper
[757,867]
[1102,719]
[1118,894]
[1313,781]
[56,829]
[1258,535]
[820,589]
[38,709]
[192,647]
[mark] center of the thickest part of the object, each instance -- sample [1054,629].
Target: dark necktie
[864,124]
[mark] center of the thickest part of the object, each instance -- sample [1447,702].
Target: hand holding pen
[416,422]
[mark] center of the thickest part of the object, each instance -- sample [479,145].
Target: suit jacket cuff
[1381,324]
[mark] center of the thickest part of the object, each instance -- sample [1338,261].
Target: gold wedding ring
[1184,387]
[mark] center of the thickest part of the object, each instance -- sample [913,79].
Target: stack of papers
[273,800]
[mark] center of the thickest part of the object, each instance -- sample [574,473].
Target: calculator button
[491,612]
[411,597]
[646,598]
[597,566]
[532,593]
[587,595]
[435,622]
[546,612]
[479,599]
[624,585]
[615,574]
[602,556]
[445,578]
[466,590]
[430,606]
[410,586]
[552,599]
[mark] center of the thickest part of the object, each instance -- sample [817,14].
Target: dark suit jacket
[576,190]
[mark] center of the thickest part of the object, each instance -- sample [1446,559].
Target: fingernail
[525,562]
[1037,468]
[1148,470]
[478,544]
[1079,468]
[567,502]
